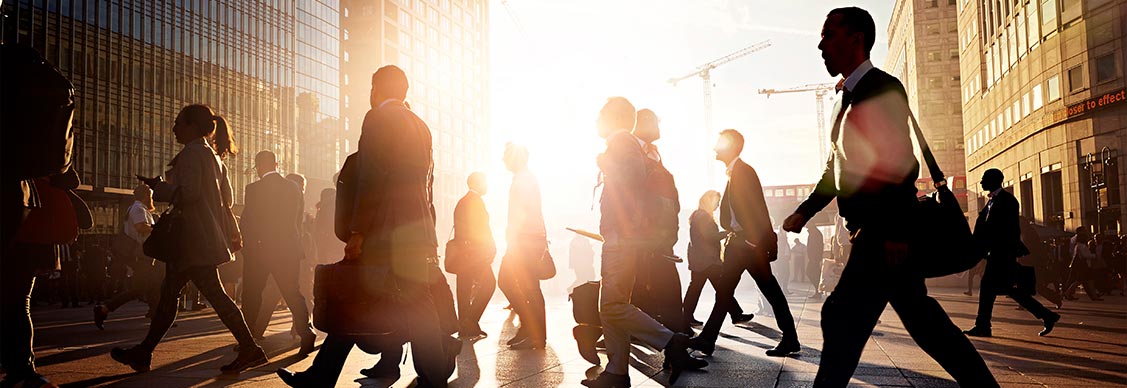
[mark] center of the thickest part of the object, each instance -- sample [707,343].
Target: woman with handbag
[195,236]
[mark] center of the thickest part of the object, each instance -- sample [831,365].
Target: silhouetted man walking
[475,281]
[998,233]
[751,246]
[872,173]
[271,225]
[623,170]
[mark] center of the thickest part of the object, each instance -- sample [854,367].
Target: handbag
[167,237]
[942,244]
[456,251]
[545,266]
[354,299]
[585,303]
[53,222]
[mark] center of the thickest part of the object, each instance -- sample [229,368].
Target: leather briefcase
[357,300]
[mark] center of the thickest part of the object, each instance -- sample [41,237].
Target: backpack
[38,104]
[660,205]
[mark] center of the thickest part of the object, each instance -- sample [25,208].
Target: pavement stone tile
[1087,350]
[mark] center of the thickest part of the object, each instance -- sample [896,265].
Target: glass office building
[135,63]
[442,45]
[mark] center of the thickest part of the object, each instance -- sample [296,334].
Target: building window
[1026,192]
[1033,25]
[953,53]
[1038,98]
[934,56]
[1076,79]
[1105,68]
[1048,17]
[932,3]
[1025,111]
[1053,86]
[931,29]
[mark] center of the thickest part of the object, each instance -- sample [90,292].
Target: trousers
[867,285]
[256,272]
[995,282]
[739,257]
[206,279]
[621,319]
[475,288]
[697,280]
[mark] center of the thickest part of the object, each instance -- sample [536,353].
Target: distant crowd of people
[380,282]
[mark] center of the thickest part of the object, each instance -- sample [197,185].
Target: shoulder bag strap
[936,174]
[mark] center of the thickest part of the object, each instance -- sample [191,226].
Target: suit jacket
[394,207]
[471,223]
[872,169]
[744,197]
[704,241]
[272,220]
[623,169]
[997,231]
[198,178]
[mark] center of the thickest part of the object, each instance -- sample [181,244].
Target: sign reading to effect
[1091,104]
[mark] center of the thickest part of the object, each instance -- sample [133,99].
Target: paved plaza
[1088,349]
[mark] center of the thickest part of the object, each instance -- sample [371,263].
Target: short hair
[517,153]
[263,158]
[646,126]
[619,113]
[297,178]
[857,20]
[735,138]
[993,175]
[142,192]
[390,81]
[475,177]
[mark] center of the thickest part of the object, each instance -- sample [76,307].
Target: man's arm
[250,219]
[371,171]
[757,219]
[824,192]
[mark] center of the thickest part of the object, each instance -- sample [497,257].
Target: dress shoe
[520,336]
[100,315]
[246,359]
[677,353]
[138,359]
[785,348]
[1049,323]
[977,332]
[694,322]
[700,345]
[742,318]
[528,344]
[585,338]
[389,371]
[296,380]
[308,343]
[608,380]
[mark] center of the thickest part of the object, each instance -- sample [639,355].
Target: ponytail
[224,140]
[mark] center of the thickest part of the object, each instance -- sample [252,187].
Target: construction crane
[820,92]
[705,73]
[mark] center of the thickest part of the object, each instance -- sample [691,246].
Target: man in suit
[475,281]
[392,226]
[998,233]
[751,246]
[271,224]
[623,169]
[657,289]
[872,173]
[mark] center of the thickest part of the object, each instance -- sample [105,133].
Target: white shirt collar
[271,172]
[387,101]
[858,73]
[732,165]
[475,192]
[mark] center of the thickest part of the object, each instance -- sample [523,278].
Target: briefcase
[357,300]
[585,304]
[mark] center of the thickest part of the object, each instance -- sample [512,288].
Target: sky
[554,63]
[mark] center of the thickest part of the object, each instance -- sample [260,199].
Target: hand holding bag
[165,241]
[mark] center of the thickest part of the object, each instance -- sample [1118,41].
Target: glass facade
[135,63]
[442,45]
